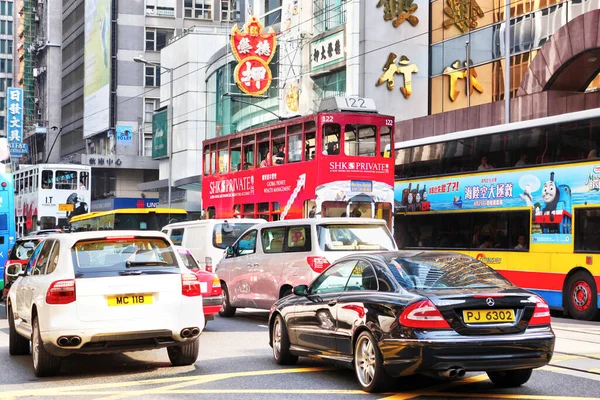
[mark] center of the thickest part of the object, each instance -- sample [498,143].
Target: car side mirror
[14,270]
[300,290]
[229,251]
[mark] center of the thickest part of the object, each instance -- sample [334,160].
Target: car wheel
[582,296]
[281,343]
[185,354]
[17,344]
[511,378]
[227,310]
[44,363]
[368,364]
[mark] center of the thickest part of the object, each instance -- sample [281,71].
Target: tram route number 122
[355,102]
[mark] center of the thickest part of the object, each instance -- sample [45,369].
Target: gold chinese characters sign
[404,68]
[253,50]
[399,11]
[457,72]
[463,14]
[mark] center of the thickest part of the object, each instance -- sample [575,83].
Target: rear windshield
[123,254]
[361,237]
[445,272]
[226,233]
[19,252]
[188,260]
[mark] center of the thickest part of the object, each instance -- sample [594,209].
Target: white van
[207,239]
[269,259]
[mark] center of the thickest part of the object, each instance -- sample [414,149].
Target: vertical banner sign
[124,135]
[14,121]
[253,50]
[290,60]
[159,134]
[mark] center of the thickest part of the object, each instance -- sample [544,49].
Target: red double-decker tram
[333,163]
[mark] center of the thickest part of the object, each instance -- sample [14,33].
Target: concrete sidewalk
[577,346]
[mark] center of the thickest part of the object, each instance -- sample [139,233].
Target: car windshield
[445,272]
[22,253]
[361,237]
[188,260]
[123,253]
[225,234]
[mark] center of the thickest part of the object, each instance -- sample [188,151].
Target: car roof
[387,256]
[325,221]
[214,221]
[72,238]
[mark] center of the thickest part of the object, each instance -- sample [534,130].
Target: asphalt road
[236,362]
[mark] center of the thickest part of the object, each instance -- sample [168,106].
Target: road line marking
[505,396]
[264,326]
[437,388]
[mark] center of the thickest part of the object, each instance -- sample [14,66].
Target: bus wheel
[582,296]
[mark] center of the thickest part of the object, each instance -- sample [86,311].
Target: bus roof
[94,214]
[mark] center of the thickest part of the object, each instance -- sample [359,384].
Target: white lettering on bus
[357,166]
[232,185]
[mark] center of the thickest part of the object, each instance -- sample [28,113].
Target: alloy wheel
[365,361]
[35,348]
[277,339]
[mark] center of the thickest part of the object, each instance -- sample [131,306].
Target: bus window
[47,223]
[84,180]
[66,180]
[47,179]
[587,226]
[331,139]
[385,142]
[359,140]
[235,155]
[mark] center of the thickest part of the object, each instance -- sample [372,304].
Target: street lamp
[142,60]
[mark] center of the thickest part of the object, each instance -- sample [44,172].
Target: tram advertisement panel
[550,191]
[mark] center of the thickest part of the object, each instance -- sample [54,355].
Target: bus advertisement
[48,195]
[536,222]
[7,219]
[329,164]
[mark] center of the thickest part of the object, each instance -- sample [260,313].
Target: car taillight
[61,292]
[208,263]
[216,282]
[317,264]
[424,315]
[541,314]
[190,286]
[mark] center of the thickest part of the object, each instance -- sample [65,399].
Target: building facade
[7,51]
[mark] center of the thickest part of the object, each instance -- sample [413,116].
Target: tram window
[235,159]
[213,158]
[587,229]
[206,160]
[385,142]
[248,210]
[278,148]
[223,154]
[359,140]
[294,148]
[47,179]
[309,146]
[263,150]
[331,139]
[249,144]
[263,211]
[66,180]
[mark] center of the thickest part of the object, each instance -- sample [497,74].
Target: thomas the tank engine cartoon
[555,217]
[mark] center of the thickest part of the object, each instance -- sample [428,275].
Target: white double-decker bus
[47,195]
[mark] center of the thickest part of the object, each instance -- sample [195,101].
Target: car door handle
[332,303]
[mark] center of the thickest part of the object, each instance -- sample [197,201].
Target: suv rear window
[19,252]
[117,255]
[361,237]
[445,272]
[225,234]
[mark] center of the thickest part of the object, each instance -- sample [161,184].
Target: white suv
[102,292]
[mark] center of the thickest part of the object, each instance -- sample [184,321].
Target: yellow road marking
[437,388]
[595,370]
[506,396]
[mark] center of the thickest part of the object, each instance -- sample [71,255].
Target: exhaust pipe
[63,341]
[460,373]
[185,332]
[75,341]
[195,331]
[449,373]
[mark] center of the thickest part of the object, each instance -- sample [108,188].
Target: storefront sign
[159,134]
[253,50]
[327,51]
[399,11]
[124,135]
[18,149]
[463,14]
[454,72]
[404,68]
[14,120]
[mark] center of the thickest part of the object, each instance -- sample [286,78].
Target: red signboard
[253,50]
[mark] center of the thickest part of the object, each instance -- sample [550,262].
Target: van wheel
[17,344]
[582,296]
[185,354]
[227,310]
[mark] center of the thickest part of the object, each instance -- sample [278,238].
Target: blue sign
[124,135]
[18,149]
[549,191]
[361,186]
[116,203]
[14,116]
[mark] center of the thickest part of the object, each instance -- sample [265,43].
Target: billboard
[96,91]
[124,135]
[14,121]
[160,134]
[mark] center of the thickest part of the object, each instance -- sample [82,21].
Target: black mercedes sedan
[399,313]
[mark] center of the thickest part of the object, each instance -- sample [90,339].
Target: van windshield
[347,237]
[226,233]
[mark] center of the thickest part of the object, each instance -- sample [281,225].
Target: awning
[153,186]
[193,183]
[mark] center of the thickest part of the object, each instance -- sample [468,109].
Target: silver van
[269,259]
[207,239]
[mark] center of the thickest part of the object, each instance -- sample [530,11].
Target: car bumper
[211,305]
[532,349]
